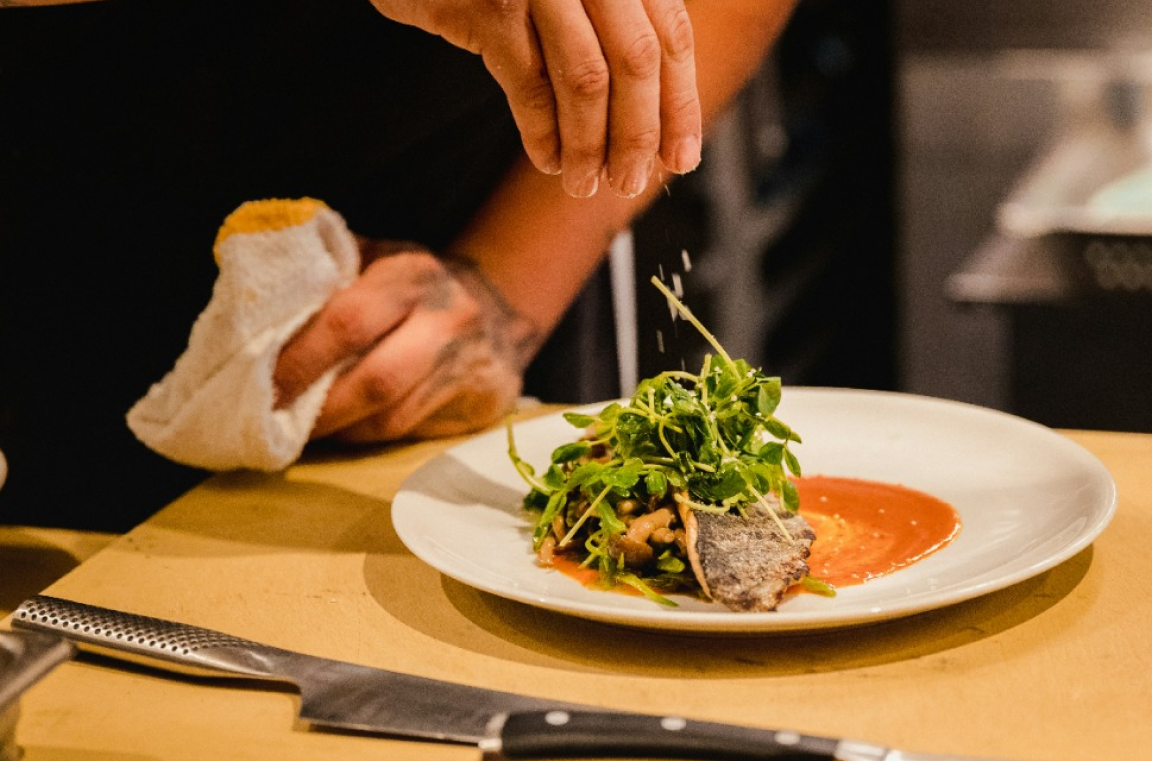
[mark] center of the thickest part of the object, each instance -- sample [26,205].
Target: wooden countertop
[1057,668]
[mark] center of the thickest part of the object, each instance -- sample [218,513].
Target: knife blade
[346,696]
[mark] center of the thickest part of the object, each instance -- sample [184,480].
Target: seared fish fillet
[747,563]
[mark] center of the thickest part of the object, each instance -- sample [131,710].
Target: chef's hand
[594,85]
[427,349]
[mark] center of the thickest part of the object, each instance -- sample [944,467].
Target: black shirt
[129,129]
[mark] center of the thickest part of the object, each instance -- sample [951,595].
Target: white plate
[1028,499]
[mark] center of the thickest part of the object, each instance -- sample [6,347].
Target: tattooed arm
[537,245]
[430,348]
[436,347]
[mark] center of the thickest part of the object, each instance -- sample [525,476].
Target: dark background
[862,171]
[858,172]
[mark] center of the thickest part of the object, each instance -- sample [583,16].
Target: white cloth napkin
[280,261]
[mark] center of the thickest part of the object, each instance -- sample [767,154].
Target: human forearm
[538,245]
[432,347]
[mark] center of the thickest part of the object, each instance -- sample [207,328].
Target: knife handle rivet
[673,723]
[557,718]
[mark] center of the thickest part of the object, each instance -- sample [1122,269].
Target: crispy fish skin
[747,563]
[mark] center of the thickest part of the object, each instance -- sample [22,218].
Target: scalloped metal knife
[346,696]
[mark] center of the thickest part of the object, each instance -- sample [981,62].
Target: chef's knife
[347,696]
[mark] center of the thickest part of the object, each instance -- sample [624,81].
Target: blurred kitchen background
[906,198]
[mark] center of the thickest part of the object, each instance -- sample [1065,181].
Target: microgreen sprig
[710,441]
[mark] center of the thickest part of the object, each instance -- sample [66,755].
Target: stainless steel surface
[982,97]
[1077,218]
[1083,180]
[1006,270]
[25,657]
[333,694]
[349,696]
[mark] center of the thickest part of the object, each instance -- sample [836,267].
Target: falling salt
[677,286]
[660,340]
[685,260]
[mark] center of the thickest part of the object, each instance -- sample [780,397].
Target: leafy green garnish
[709,440]
[818,586]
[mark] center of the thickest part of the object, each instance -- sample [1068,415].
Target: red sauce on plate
[589,577]
[864,530]
[867,529]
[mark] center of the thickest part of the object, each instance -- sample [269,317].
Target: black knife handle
[593,734]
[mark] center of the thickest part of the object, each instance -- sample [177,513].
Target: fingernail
[687,155]
[586,187]
[636,179]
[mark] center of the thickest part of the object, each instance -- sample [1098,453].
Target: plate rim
[782,620]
